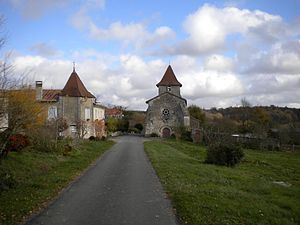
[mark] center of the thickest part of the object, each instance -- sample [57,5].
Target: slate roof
[169,79]
[75,88]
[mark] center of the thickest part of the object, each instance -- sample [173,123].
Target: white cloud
[134,34]
[209,26]
[211,83]
[270,84]
[282,58]
[81,20]
[118,31]
[45,49]
[32,9]
[218,63]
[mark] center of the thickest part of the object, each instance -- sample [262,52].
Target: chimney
[39,90]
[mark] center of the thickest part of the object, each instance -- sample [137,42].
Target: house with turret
[75,105]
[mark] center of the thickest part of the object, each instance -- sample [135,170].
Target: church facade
[168,110]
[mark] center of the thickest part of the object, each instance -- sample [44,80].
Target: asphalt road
[122,188]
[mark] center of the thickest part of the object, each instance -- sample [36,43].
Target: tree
[112,124]
[4,80]
[24,114]
[197,113]
[245,103]
[56,126]
[245,115]
[82,128]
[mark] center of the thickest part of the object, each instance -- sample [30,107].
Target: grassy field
[40,177]
[245,194]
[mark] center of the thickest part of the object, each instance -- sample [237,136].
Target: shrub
[154,135]
[67,150]
[134,130]
[7,181]
[182,133]
[139,126]
[173,136]
[186,136]
[224,154]
[102,138]
[17,142]
[92,138]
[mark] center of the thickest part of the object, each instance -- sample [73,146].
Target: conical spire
[169,78]
[75,88]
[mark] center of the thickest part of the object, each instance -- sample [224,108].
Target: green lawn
[41,176]
[245,194]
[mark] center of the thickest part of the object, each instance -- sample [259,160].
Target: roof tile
[75,88]
[169,79]
[50,94]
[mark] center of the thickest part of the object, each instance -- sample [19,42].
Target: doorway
[166,132]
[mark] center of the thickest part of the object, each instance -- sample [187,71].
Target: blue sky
[221,51]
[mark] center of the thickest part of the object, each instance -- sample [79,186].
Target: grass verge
[38,177]
[245,194]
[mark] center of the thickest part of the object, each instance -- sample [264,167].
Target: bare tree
[82,128]
[17,102]
[3,80]
[245,117]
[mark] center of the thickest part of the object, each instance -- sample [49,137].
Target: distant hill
[282,123]
[277,115]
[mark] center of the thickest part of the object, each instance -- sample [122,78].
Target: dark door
[166,132]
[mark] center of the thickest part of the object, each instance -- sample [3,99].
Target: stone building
[168,110]
[76,105]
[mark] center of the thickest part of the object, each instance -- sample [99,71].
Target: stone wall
[165,111]
[175,90]
[73,110]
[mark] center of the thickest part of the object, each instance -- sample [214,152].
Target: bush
[67,150]
[92,138]
[139,126]
[17,142]
[7,181]
[134,130]
[154,135]
[224,154]
[173,136]
[102,138]
[186,136]
[182,133]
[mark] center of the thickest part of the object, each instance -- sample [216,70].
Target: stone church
[168,110]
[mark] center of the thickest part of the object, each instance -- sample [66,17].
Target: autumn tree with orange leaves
[24,114]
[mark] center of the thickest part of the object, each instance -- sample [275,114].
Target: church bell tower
[169,83]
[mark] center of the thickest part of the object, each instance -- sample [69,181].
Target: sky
[221,51]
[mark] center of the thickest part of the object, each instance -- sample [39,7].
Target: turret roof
[169,79]
[75,88]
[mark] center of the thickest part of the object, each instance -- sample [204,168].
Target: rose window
[166,114]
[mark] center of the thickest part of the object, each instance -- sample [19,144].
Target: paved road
[121,188]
